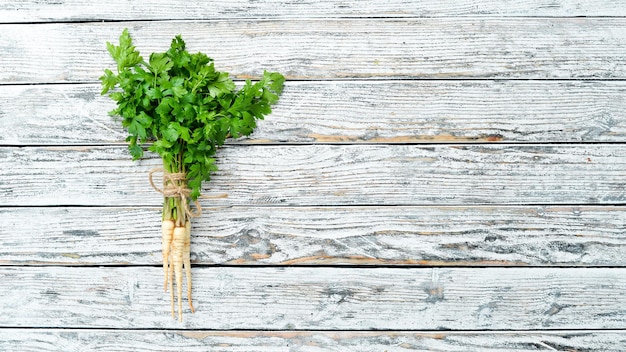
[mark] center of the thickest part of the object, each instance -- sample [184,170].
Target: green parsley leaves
[180,103]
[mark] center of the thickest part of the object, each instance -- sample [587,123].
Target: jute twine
[175,186]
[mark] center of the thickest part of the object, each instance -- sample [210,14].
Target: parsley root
[180,253]
[178,245]
[167,230]
[187,109]
[187,262]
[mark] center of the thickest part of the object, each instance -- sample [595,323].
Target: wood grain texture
[457,236]
[318,298]
[355,112]
[48,340]
[329,175]
[562,48]
[80,10]
[371,212]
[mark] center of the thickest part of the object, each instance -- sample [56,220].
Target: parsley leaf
[183,105]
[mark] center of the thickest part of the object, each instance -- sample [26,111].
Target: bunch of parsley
[180,103]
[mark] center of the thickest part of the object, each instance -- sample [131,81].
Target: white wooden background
[438,176]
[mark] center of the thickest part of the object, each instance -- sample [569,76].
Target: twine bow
[175,186]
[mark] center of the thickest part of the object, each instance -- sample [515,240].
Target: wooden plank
[442,236]
[355,112]
[329,175]
[13,11]
[526,48]
[319,298]
[42,340]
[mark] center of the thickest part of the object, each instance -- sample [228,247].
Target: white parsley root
[176,258]
[167,230]
[178,244]
[187,262]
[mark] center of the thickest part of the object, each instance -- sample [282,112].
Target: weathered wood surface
[44,340]
[13,11]
[370,200]
[441,236]
[319,298]
[330,175]
[355,112]
[527,48]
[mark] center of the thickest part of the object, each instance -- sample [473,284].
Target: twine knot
[175,186]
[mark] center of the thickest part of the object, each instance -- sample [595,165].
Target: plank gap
[321,266]
[426,331]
